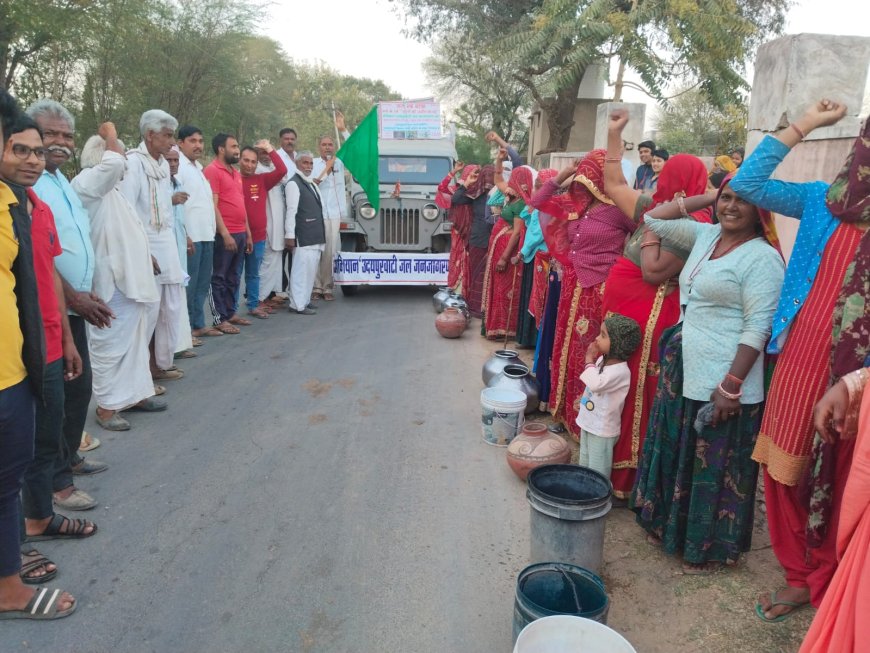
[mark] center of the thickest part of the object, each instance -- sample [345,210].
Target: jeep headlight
[430,212]
[367,211]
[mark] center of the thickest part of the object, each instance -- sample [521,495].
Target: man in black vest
[304,233]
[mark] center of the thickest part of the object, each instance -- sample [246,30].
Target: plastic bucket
[563,634]
[568,507]
[501,415]
[556,588]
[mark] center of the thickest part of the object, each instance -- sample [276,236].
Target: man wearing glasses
[76,268]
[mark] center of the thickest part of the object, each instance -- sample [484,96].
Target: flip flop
[210,332]
[159,390]
[31,561]
[240,321]
[795,607]
[187,353]
[259,313]
[75,530]
[197,342]
[226,327]
[43,606]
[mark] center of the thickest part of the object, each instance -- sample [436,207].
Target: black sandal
[63,528]
[32,561]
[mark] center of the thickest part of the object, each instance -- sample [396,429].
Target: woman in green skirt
[695,488]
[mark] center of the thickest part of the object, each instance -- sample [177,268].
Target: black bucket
[568,509]
[554,588]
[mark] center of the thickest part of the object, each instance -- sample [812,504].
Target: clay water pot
[497,362]
[517,377]
[440,297]
[536,446]
[450,323]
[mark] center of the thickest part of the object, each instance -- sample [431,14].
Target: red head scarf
[485,181]
[522,176]
[588,184]
[768,226]
[686,173]
[547,174]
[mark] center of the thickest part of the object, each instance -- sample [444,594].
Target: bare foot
[789,594]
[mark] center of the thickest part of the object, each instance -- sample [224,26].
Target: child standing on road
[607,379]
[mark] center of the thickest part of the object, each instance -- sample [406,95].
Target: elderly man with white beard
[147,186]
[124,279]
[304,233]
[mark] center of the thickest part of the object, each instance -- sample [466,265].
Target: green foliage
[691,123]
[548,44]
[471,148]
[201,62]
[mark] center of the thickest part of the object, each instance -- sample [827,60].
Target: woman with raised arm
[460,218]
[585,234]
[471,195]
[821,332]
[645,292]
[695,491]
[501,285]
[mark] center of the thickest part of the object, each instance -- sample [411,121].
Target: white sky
[364,37]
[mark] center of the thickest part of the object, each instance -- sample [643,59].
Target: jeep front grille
[400,226]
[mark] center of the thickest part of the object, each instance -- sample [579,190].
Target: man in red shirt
[255,188]
[22,164]
[233,238]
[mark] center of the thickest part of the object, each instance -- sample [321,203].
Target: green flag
[360,154]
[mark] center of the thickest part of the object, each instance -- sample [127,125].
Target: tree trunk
[560,116]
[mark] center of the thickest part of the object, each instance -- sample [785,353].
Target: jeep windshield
[426,170]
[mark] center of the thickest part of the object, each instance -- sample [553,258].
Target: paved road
[318,485]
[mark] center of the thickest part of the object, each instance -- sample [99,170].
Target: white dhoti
[185,338]
[271,270]
[167,329]
[324,282]
[302,275]
[119,355]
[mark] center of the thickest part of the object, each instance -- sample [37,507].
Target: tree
[487,94]
[692,124]
[549,43]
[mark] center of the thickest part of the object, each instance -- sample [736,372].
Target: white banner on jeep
[400,269]
[410,120]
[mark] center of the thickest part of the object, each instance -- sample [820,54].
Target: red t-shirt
[256,191]
[46,245]
[227,185]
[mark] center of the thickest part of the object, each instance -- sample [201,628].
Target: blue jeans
[16,451]
[199,266]
[251,263]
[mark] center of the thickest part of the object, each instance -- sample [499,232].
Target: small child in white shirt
[607,379]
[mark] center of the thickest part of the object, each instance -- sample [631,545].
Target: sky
[364,38]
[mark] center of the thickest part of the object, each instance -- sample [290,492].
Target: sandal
[159,390]
[235,319]
[63,528]
[114,423]
[226,327]
[168,375]
[197,342]
[186,353]
[795,607]
[259,313]
[210,332]
[32,561]
[41,608]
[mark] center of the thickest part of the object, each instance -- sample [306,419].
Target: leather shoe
[89,467]
[78,500]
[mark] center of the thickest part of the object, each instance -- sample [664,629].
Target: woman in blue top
[695,487]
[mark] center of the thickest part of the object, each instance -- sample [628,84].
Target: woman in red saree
[501,282]
[645,294]
[461,217]
[585,233]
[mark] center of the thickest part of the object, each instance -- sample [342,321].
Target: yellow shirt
[11,341]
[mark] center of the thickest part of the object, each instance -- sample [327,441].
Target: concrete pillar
[633,133]
[793,72]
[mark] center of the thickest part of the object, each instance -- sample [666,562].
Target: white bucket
[566,634]
[502,415]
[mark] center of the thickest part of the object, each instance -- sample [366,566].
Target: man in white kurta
[124,279]
[272,265]
[303,234]
[146,185]
[329,175]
